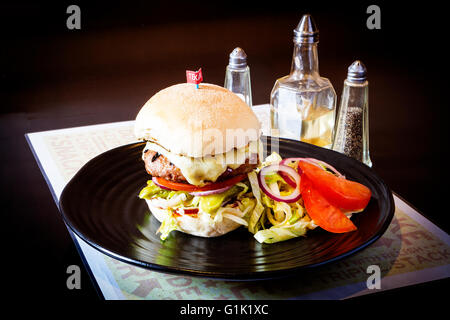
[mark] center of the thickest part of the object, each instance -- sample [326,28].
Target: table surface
[411,251]
[55,78]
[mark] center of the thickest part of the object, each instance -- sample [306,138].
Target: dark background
[52,78]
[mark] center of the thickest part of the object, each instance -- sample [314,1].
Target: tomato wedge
[342,193]
[192,188]
[325,215]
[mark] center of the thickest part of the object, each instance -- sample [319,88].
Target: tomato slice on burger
[325,215]
[192,188]
[342,193]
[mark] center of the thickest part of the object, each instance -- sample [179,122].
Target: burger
[201,143]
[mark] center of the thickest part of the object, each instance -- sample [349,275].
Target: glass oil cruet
[303,104]
[352,125]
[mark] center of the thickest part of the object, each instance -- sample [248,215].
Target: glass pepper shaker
[352,125]
[303,104]
[237,76]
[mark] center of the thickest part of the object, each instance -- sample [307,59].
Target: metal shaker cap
[306,31]
[238,58]
[357,72]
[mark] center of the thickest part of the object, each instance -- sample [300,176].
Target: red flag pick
[194,76]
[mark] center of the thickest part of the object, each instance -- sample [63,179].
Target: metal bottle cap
[306,31]
[238,58]
[357,72]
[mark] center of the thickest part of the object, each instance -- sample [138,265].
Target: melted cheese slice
[199,170]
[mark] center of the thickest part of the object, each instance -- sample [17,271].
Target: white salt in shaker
[352,125]
[237,77]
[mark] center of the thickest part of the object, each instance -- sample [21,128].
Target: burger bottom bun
[202,225]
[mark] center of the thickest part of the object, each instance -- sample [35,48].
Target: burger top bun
[203,226]
[197,122]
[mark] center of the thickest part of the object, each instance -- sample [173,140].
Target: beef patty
[159,166]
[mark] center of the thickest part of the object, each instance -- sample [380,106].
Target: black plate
[100,204]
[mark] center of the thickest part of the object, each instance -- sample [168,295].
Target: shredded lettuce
[194,202]
[152,190]
[168,225]
[258,210]
[211,203]
[296,214]
[267,201]
[238,214]
[285,232]
[235,218]
[246,205]
[274,158]
[282,212]
[244,187]
[273,178]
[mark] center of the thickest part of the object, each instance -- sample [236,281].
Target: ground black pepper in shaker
[352,125]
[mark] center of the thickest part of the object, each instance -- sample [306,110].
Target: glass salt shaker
[237,77]
[303,104]
[352,125]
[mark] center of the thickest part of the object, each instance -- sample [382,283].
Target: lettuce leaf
[253,224]
[274,158]
[211,203]
[284,232]
[246,205]
[168,225]
[152,190]
[273,178]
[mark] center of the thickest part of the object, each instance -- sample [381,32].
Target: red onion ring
[286,177]
[326,165]
[209,192]
[294,196]
[316,162]
[160,185]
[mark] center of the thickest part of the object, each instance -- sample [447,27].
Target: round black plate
[101,205]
